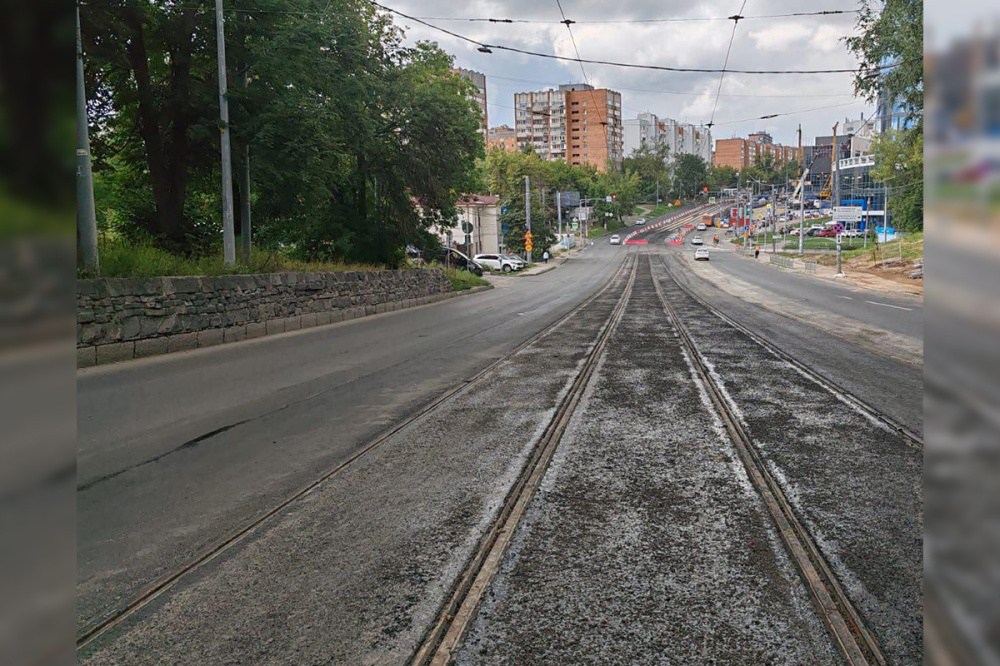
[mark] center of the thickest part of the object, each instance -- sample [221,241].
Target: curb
[117,352]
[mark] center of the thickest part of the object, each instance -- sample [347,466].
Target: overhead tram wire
[583,71]
[691,19]
[722,77]
[485,47]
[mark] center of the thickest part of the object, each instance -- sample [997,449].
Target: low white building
[482,211]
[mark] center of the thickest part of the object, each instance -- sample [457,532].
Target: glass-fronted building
[858,188]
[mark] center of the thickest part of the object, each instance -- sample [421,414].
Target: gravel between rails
[855,484]
[357,570]
[646,542]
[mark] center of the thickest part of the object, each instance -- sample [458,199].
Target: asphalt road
[180,451]
[901,315]
[176,452]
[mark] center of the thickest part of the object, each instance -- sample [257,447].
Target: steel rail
[856,642]
[166,581]
[443,640]
[912,439]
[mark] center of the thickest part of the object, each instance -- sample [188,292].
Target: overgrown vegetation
[346,127]
[462,280]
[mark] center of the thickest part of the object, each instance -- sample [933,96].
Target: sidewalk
[856,278]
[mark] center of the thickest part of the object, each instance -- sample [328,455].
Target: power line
[788,113]
[691,19]
[485,47]
[729,49]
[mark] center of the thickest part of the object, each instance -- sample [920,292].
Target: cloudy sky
[812,42]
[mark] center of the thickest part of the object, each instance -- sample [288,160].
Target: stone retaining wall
[120,319]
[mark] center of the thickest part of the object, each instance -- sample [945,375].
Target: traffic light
[614,197]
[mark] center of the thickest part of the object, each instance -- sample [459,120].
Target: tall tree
[690,174]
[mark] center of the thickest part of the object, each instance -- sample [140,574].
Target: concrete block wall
[125,318]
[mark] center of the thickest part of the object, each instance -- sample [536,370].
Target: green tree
[899,163]
[721,177]
[651,165]
[347,127]
[891,32]
[690,175]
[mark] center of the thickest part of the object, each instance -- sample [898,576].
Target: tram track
[163,584]
[445,637]
[856,642]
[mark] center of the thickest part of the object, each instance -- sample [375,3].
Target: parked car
[853,233]
[496,262]
[451,256]
[641,220]
[518,262]
[701,254]
[616,239]
[697,240]
[827,233]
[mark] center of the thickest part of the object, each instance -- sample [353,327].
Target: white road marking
[886,305]
[850,298]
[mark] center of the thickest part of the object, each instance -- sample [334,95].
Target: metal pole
[802,213]
[527,211]
[228,223]
[774,217]
[245,237]
[559,213]
[868,220]
[86,216]
[885,219]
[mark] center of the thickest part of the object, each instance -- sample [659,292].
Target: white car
[701,227]
[518,262]
[496,262]
[701,254]
[616,239]
[697,240]
[641,220]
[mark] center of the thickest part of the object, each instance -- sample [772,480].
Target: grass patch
[462,280]
[598,231]
[123,259]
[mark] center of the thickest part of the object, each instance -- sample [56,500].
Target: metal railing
[811,266]
[784,262]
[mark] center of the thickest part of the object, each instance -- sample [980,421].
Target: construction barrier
[784,262]
[811,266]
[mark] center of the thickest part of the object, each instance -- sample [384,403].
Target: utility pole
[802,199]
[527,211]
[868,220]
[885,219]
[834,164]
[559,213]
[86,217]
[228,223]
[245,237]
[774,217]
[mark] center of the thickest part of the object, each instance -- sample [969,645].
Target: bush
[462,280]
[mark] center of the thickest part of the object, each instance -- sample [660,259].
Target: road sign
[847,214]
[839,228]
[503,210]
[607,199]
[711,200]
[576,225]
[528,235]
[528,247]
[466,228]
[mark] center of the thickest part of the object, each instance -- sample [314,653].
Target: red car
[827,233]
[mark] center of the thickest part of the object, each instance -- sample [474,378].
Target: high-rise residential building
[680,138]
[576,123]
[502,137]
[478,95]
[743,153]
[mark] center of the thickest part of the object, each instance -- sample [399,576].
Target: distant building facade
[647,129]
[478,95]
[576,123]
[743,153]
[502,137]
[482,211]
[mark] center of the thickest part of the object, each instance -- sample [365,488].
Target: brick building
[743,153]
[478,95]
[576,123]
[502,137]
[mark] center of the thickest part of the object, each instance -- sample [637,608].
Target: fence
[784,262]
[811,266]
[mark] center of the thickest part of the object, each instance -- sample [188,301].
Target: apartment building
[478,95]
[680,138]
[576,123]
[503,137]
[743,153]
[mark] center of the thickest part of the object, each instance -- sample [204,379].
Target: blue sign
[504,227]
[746,227]
[503,209]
